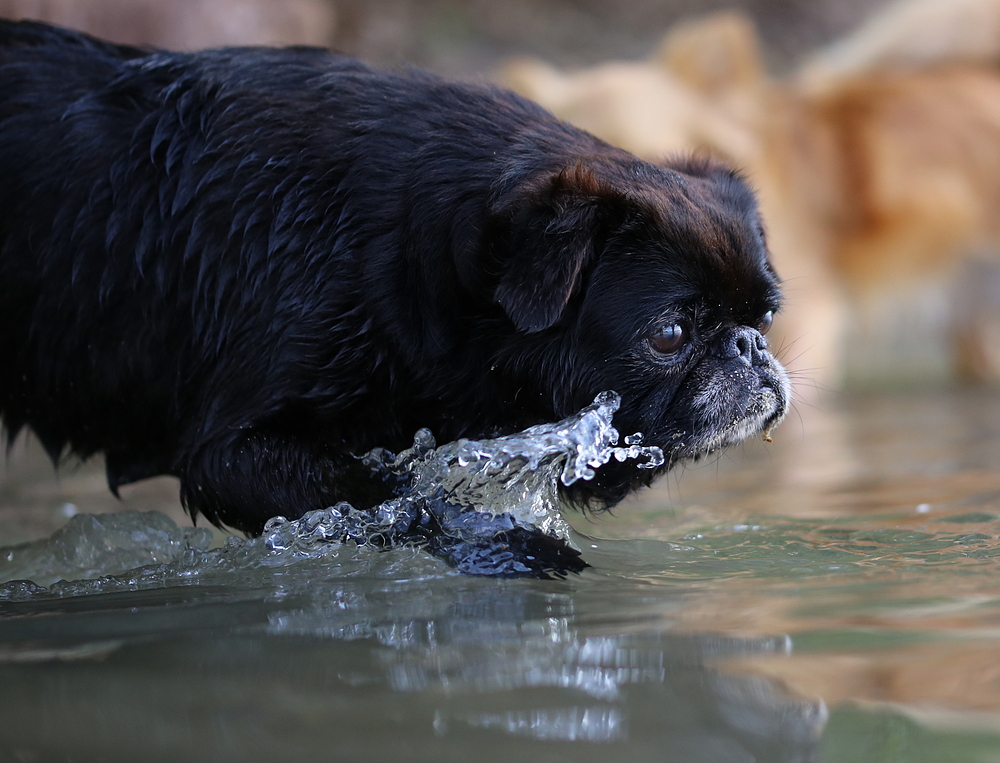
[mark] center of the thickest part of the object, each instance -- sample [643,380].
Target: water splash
[517,475]
[486,507]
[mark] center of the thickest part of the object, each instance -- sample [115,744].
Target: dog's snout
[745,343]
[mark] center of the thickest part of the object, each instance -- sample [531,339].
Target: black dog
[245,266]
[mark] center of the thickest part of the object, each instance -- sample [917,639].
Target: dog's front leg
[245,479]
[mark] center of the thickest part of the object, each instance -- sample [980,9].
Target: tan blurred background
[455,37]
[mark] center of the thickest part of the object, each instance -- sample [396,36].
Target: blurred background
[456,37]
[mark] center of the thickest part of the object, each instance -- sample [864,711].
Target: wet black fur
[243,266]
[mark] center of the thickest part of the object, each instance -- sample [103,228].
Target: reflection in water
[872,541]
[448,661]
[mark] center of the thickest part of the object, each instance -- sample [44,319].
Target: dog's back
[27,34]
[43,68]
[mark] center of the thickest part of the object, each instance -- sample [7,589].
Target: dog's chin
[727,415]
[765,412]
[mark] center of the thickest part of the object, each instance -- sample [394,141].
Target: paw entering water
[487,507]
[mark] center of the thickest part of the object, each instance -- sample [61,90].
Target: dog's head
[653,282]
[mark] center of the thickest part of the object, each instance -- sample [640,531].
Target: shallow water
[833,596]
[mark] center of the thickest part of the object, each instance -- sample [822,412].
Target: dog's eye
[667,340]
[766,321]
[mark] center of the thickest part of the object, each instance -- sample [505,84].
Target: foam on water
[90,546]
[488,507]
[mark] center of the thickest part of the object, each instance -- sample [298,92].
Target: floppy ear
[554,226]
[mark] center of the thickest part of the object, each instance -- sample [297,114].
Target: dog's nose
[745,343]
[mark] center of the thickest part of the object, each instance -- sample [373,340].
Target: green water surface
[833,596]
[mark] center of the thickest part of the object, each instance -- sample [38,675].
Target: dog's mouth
[726,423]
[766,412]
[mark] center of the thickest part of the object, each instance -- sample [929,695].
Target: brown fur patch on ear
[554,192]
[579,182]
[702,166]
[555,224]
